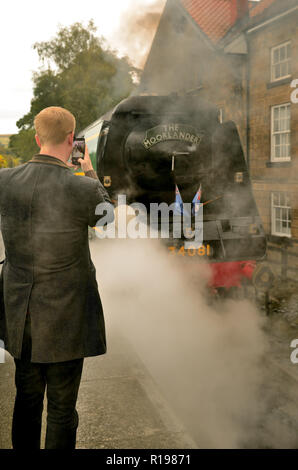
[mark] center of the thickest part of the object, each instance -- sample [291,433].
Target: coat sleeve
[2,311]
[4,172]
[101,210]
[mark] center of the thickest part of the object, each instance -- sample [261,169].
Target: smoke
[138,27]
[206,359]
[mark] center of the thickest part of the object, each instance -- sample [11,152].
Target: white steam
[206,360]
[138,27]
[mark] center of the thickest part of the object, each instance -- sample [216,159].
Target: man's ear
[37,141]
[70,138]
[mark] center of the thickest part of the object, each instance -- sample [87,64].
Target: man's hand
[86,163]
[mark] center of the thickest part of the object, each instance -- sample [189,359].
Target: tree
[3,162]
[23,144]
[79,74]
[7,158]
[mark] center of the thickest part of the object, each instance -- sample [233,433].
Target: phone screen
[78,150]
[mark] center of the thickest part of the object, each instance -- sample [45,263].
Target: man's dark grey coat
[45,212]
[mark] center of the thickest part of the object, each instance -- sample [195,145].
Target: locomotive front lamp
[107,181]
[238,178]
[254,229]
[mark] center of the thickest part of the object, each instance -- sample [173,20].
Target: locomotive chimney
[239,8]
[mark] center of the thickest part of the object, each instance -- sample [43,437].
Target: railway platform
[119,405]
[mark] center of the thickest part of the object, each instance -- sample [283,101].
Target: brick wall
[272,177]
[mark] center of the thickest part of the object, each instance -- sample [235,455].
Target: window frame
[273,158]
[221,114]
[273,214]
[273,49]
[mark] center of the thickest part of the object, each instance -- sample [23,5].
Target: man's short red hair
[53,124]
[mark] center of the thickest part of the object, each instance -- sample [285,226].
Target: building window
[281,61]
[281,214]
[281,133]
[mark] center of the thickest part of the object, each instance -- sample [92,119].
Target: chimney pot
[239,9]
[242,8]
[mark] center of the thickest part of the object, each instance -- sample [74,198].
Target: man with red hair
[51,315]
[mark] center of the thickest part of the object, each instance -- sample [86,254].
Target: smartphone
[78,150]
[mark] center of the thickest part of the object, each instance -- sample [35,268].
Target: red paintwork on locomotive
[230,274]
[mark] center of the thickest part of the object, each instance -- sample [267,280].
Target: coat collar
[41,158]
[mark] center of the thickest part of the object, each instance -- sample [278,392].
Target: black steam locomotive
[148,146]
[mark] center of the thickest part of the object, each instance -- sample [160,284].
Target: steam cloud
[206,361]
[139,25]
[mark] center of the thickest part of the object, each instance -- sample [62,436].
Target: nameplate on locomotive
[167,132]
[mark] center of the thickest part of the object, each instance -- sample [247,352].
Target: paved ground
[119,405]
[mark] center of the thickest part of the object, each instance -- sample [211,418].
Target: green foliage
[64,49]
[3,162]
[80,75]
[7,158]
[23,145]
[46,93]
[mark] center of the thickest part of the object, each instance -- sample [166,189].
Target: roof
[216,17]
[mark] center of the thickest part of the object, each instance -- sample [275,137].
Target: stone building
[242,56]
[273,117]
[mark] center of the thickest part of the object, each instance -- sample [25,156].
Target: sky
[24,23]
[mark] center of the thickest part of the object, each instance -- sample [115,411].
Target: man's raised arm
[101,210]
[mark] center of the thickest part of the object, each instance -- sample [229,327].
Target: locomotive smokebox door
[107,181]
[149,145]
